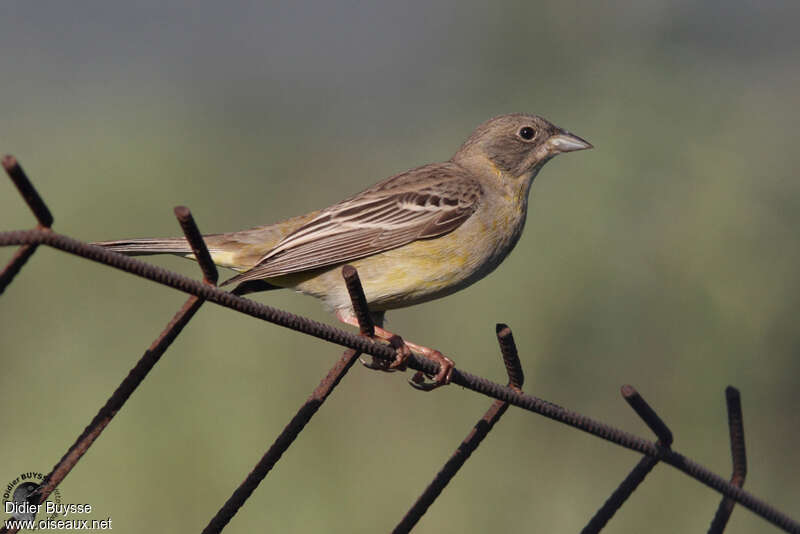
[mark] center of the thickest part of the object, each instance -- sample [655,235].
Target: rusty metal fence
[652,452]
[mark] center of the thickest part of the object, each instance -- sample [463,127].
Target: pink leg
[404,349]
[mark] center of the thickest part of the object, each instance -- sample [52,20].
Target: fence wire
[206,290]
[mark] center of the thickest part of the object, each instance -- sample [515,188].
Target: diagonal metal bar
[39,209]
[28,192]
[640,470]
[283,442]
[303,415]
[131,382]
[364,345]
[648,415]
[13,267]
[736,428]
[481,429]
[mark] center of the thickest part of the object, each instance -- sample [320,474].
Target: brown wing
[420,204]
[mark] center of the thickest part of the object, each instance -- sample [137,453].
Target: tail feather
[180,247]
[148,246]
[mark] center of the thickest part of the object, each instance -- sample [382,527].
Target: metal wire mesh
[511,394]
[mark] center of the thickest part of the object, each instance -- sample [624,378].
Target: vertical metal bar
[508,348]
[358,300]
[736,428]
[198,244]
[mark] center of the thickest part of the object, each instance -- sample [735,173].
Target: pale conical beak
[567,142]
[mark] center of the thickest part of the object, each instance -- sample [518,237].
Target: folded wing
[424,203]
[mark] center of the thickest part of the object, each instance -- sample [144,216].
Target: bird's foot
[442,378]
[404,349]
[402,352]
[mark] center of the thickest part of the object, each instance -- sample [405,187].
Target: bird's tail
[148,246]
[180,247]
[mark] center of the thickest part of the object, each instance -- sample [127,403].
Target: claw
[375,364]
[442,378]
[399,364]
[418,382]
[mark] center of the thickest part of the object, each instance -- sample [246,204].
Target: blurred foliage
[667,257]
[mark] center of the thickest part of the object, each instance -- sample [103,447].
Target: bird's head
[516,145]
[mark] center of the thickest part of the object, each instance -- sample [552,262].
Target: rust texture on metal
[201,291]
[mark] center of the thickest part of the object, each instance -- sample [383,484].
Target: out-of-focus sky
[667,257]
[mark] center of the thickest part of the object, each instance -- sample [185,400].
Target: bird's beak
[566,142]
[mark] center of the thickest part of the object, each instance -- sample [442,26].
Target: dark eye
[526,132]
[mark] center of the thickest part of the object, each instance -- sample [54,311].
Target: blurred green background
[667,257]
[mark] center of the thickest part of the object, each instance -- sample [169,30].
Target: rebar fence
[652,452]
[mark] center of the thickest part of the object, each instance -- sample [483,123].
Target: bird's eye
[526,132]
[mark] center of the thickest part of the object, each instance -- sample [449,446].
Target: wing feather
[421,204]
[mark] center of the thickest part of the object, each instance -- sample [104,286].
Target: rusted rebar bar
[477,434]
[367,346]
[131,382]
[640,470]
[736,429]
[359,301]
[29,239]
[28,192]
[13,267]
[198,244]
[303,415]
[39,209]
[284,440]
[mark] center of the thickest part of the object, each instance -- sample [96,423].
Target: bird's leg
[404,349]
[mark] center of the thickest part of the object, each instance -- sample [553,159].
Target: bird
[416,236]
